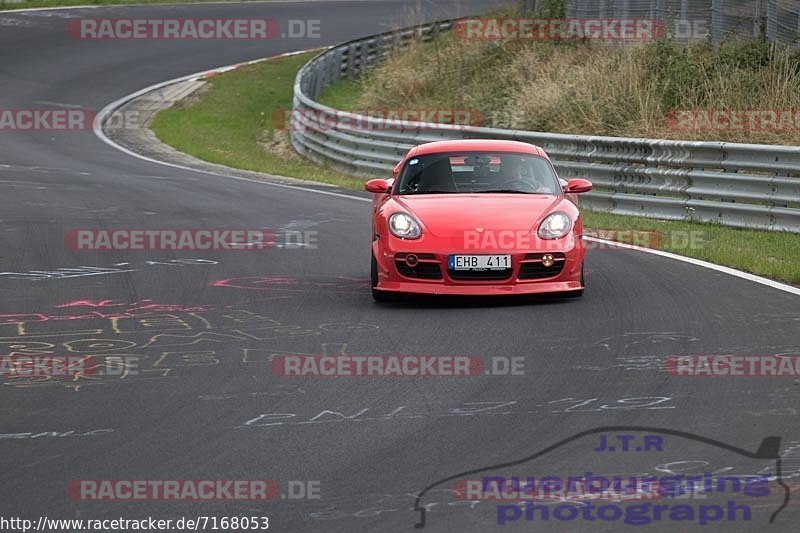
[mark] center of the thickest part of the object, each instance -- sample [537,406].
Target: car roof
[476,145]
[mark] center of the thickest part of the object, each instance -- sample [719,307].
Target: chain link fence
[691,20]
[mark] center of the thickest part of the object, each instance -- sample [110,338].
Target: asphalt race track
[204,402]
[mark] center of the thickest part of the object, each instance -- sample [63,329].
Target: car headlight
[404,226]
[555,225]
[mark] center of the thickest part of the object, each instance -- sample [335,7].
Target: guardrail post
[717,18]
[527,8]
[772,21]
[682,37]
[336,66]
[658,18]
[758,20]
[797,35]
[434,32]
[363,57]
[351,52]
[379,48]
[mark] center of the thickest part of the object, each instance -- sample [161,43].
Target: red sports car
[476,217]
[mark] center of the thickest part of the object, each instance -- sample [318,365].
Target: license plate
[479,262]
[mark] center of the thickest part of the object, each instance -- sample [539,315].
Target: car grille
[532,267]
[478,275]
[428,267]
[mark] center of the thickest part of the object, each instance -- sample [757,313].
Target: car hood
[442,214]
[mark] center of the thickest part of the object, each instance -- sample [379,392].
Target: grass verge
[230,124]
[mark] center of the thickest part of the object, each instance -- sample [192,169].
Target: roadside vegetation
[591,89]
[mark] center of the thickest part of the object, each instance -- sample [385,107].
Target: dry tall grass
[591,89]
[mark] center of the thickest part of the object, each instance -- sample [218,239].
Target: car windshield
[478,172]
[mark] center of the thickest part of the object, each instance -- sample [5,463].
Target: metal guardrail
[741,185]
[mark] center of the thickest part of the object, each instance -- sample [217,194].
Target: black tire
[578,293]
[378,296]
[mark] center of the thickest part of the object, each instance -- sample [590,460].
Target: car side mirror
[378,186]
[576,185]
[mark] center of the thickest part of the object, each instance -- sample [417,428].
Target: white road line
[705,264]
[57,104]
[110,108]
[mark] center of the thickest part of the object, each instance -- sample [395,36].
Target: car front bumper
[430,274]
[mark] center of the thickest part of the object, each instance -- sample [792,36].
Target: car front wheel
[377,295]
[579,293]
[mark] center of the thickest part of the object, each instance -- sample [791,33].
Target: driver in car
[516,173]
